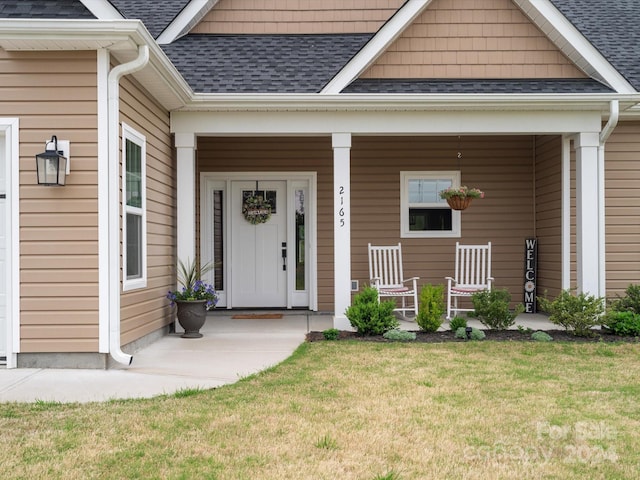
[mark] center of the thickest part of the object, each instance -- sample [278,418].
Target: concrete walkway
[230,350]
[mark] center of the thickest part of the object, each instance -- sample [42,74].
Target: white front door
[3,253]
[258,251]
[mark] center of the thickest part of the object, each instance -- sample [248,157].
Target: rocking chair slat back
[385,265]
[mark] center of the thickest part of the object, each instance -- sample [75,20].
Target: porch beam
[588,222]
[341,228]
[186,200]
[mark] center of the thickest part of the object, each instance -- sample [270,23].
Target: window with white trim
[423,214]
[134,212]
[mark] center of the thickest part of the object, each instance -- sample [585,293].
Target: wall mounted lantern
[52,164]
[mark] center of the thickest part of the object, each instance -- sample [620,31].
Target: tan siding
[283,155]
[54,93]
[297,16]
[622,160]
[472,39]
[147,309]
[549,214]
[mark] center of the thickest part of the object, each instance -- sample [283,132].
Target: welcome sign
[530,264]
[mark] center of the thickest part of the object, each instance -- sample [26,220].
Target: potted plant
[459,198]
[193,299]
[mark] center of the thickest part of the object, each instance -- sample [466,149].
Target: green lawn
[357,410]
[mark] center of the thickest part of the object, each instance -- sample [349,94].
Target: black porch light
[51,165]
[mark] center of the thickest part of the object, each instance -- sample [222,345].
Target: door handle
[284,256]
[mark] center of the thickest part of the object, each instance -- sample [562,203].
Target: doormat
[259,315]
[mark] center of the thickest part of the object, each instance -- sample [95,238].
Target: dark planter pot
[191,316]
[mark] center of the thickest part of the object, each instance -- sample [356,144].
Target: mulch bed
[495,335]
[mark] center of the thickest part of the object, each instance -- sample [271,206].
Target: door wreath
[256,210]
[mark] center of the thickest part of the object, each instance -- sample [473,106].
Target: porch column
[341,228]
[588,222]
[186,196]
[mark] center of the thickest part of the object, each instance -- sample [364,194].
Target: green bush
[399,335]
[623,323]
[491,308]
[576,313]
[331,334]
[541,336]
[630,302]
[456,322]
[431,307]
[370,317]
[475,334]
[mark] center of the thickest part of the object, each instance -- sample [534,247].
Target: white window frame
[405,177]
[130,134]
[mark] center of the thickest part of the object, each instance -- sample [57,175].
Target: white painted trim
[570,41]
[208,185]
[185,144]
[190,15]
[131,134]
[376,46]
[222,181]
[566,212]
[11,128]
[102,9]
[103,200]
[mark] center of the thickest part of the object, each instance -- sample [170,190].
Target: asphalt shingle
[155,15]
[67,9]
[262,63]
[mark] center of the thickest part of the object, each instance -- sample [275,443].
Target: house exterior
[347,116]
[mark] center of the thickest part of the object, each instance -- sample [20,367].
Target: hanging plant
[256,209]
[459,198]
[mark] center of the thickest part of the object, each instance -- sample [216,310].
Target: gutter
[614,115]
[113,162]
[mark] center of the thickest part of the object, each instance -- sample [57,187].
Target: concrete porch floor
[229,350]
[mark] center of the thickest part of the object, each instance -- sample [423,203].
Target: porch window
[134,209]
[423,213]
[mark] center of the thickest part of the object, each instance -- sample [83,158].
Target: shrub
[399,335]
[623,323]
[576,313]
[457,322]
[370,317]
[630,302]
[541,336]
[431,307]
[491,307]
[475,334]
[331,334]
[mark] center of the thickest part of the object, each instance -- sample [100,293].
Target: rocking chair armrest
[412,279]
[375,280]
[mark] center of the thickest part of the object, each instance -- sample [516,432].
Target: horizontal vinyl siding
[548,178]
[472,39]
[297,16]
[500,166]
[147,309]
[55,93]
[298,154]
[622,161]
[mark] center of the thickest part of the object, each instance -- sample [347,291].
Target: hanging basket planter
[459,203]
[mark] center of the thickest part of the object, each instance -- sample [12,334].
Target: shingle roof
[155,15]
[262,63]
[613,27]
[44,9]
[561,85]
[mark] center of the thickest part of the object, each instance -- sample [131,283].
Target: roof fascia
[121,37]
[572,43]
[376,46]
[102,9]
[190,15]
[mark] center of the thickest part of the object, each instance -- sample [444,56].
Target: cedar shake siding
[146,310]
[54,93]
[472,39]
[297,16]
[622,161]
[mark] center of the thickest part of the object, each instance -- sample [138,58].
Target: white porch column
[588,222]
[186,200]
[342,228]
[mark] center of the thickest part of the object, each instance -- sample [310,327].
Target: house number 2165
[341,206]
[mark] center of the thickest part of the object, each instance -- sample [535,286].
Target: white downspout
[114,199]
[614,114]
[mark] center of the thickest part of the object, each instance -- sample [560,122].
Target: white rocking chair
[472,274]
[385,274]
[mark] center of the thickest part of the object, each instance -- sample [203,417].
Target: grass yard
[359,410]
